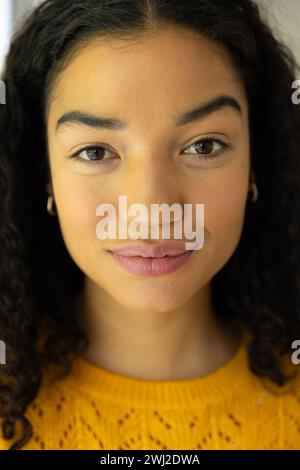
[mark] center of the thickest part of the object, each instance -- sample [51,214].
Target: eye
[94,154]
[209,147]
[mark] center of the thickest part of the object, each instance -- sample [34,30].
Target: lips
[146,250]
[151,259]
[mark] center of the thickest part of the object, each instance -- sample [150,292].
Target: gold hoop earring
[254,192]
[50,202]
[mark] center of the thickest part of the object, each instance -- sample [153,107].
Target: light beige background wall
[284,17]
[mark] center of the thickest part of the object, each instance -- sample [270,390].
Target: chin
[154,300]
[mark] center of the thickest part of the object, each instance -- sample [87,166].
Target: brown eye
[205,146]
[209,147]
[95,153]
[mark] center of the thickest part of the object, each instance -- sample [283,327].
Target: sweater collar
[231,378]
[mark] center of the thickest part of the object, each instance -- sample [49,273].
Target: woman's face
[152,160]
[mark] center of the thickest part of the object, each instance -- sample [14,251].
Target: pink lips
[155,259]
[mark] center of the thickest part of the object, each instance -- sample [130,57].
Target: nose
[152,180]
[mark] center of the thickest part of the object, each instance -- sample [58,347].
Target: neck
[183,343]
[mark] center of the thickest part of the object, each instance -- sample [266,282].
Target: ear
[252,178]
[49,188]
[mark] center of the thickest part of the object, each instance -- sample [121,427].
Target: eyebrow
[202,111]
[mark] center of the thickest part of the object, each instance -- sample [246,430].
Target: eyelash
[225,146]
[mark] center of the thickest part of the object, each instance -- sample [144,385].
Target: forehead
[152,77]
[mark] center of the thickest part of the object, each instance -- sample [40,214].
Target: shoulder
[290,414]
[49,414]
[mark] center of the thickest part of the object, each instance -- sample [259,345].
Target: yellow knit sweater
[231,408]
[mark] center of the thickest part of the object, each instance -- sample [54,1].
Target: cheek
[77,200]
[226,205]
[223,192]
[225,212]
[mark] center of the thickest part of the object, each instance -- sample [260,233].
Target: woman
[162,103]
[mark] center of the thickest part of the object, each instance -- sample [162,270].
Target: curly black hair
[39,281]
